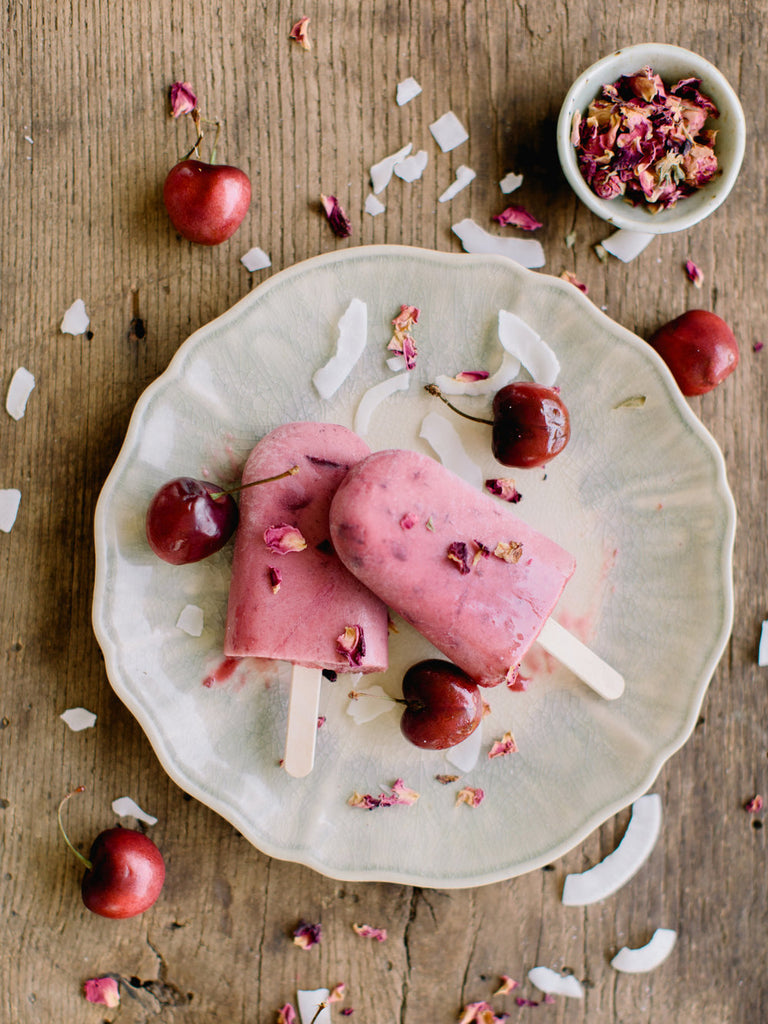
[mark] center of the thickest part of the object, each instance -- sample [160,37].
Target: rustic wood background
[86,142]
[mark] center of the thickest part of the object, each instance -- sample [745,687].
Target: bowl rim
[616,211]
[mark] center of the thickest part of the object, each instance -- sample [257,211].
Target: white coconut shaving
[625,245]
[353,335]
[464,755]
[412,167]
[78,719]
[381,173]
[76,320]
[308,1002]
[525,251]
[762,651]
[9,508]
[510,182]
[520,340]
[507,371]
[256,259]
[191,620]
[373,205]
[407,90]
[374,701]
[547,980]
[442,436]
[21,387]
[396,363]
[648,957]
[463,177]
[618,867]
[373,398]
[448,132]
[124,807]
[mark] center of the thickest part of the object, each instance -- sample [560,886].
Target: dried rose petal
[337,218]
[571,278]
[351,645]
[283,539]
[286,1015]
[506,745]
[509,551]
[307,935]
[507,985]
[102,990]
[445,780]
[400,795]
[755,805]
[471,376]
[183,99]
[320,721]
[694,273]
[402,341]
[366,931]
[408,521]
[337,994]
[347,1011]
[471,795]
[300,33]
[518,217]
[504,487]
[275,578]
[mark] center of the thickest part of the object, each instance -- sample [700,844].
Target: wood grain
[86,139]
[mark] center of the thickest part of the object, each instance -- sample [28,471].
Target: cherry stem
[198,121]
[88,864]
[253,483]
[354,694]
[433,389]
[320,1007]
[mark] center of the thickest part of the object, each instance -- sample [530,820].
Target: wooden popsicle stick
[301,733]
[576,656]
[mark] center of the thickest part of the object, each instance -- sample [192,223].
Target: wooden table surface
[87,140]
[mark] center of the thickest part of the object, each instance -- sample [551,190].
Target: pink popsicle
[317,599]
[461,568]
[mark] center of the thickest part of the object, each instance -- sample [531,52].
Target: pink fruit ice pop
[462,569]
[290,597]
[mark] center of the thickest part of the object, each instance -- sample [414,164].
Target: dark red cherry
[188,520]
[531,425]
[443,705]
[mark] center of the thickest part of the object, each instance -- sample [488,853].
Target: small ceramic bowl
[672,63]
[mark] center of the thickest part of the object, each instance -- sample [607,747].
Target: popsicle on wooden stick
[291,598]
[470,576]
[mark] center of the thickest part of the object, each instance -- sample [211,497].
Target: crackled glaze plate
[639,497]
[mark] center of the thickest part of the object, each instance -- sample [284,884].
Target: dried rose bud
[694,273]
[300,33]
[283,539]
[351,645]
[337,218]
[183,99]
[518,217]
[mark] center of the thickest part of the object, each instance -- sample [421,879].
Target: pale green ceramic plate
[639,496]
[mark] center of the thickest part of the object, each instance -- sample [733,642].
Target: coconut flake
[510,182]
[547,980]
[762,652]
[9,508]
[373,205]
[412,167]
[78,719]
[519,338]
[369,704]
[353,335]
[381,173]
[21,387]
[648,957]
[256,259]
[465,755]
[448,132]
[525,251]
[309,1001]
[76,319]
[625,245]
[610,874]
[441,434]
[507,371]
[463,177]
[127,808]
[407,90]
[374,396]
[191,620]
